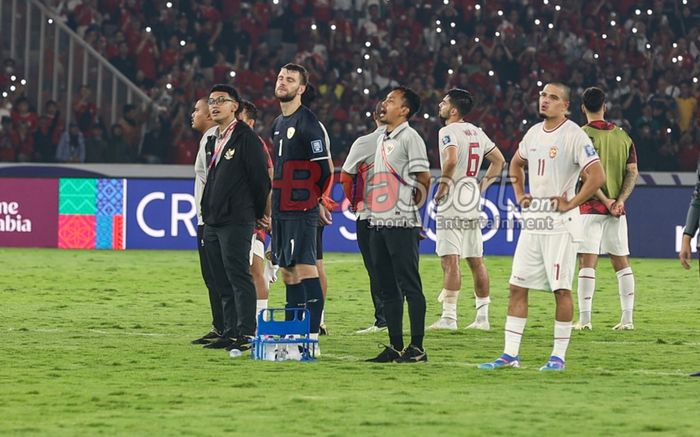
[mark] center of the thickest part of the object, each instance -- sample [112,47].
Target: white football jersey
[463,200]
[555,160]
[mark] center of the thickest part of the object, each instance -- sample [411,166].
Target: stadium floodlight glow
[637,12]
[557,8]
[314,27]
[674,59]
[476,39]
[4,94]
[675,45]
[368,44]
[680,59]
[13,78]
[368,114]
[453,24]
[23,82]
[366,56]
[685,2]
[359,70]
[426,116]
[546,2]
[333,27]
[169,86]
[550,26]
[438,22]
[50,20]
[453,42]
[537,21]
[649,12]
[477,7]
[451,72]
[438,30]
[648,46]
[445,2]
[182,43]
[497,34]
[491,73]
[612,22]
[595,56]
[618,78]
[668,130]
[12,88]
[275,2]
[695,80]
[604,36]
[539,83]
[169,5]
[634,30]
[148,29]
[232,73]
[500,13]
[365,91]
[524,121]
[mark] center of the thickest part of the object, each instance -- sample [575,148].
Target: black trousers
[217,312]
[363,233]
[228,250]
[395,262]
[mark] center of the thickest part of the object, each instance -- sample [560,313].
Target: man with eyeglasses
[235,197]
[302,173]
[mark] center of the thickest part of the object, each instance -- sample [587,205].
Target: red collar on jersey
[602,125]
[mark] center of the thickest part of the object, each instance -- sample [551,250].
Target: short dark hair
[250,109]
[303,74]
[593,99]
[410,99]
[462,100]
[228,89]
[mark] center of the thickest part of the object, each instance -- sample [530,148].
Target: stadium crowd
[644,54]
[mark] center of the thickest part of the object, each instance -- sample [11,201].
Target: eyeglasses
[219,101]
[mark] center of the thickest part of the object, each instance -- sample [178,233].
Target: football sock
[449,303]
[562,333]
[296,298]
[625,284]
[323,316]
[482,308]
[417,341]
[586,288]
[396,342]
[260,305]
[314,301]
[514,333]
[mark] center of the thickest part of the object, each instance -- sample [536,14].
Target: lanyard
[220,142]
[390,168]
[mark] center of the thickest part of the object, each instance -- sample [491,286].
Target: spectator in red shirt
[23,114]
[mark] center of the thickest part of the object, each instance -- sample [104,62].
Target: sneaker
[388,355]
[555,364]
[501,362]
[322,330]
[483,325]
[221,343]
[444,323]
[412,354]
[623,327]
[371,330]
[695,374]
[578,326]
[207,338]
[240,344]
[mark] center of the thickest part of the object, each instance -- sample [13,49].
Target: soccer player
[397,190]
[357,170]
[235,197]
[463,147]
[692,223]
[556,151]
[604,215]
[202,122]
[248,115]
[302,171]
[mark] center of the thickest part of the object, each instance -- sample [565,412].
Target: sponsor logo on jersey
[229,154]
[553,152]
[590,151]
[317,146]
[290,132]
[446,140]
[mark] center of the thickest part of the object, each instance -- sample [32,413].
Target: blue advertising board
[160,214]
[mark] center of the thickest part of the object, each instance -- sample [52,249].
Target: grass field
[97,343]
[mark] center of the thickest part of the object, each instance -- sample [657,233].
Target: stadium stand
[644,54]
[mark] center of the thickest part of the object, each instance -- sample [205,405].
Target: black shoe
[221,343]
[388,355]
[210,337]
[242,344]
[412,354]
[322,330]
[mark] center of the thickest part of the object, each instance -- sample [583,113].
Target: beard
[284,98]
[543,116]
[442,118]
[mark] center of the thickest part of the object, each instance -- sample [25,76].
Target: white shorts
[604,234]
[466,242]
[544,262]
[257,248]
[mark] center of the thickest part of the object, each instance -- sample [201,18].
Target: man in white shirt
[556,151]
[463,148]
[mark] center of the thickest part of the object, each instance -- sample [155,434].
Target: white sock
[323,317]
[625,284]
[260,305]
[449,303]
[562,333]
[514,333]
[482,308]
[586,288]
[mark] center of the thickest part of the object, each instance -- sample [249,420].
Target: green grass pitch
[97,343]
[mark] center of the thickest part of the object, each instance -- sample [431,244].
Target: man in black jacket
[235,196]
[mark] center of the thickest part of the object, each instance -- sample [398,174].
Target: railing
[55,62]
